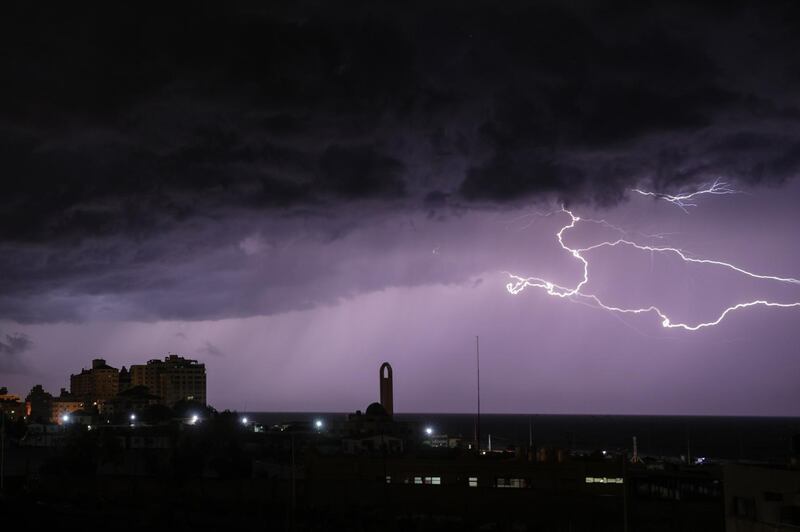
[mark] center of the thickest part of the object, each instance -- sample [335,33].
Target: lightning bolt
[684,201]
[576,293]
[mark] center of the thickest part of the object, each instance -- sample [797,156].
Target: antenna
[478,419]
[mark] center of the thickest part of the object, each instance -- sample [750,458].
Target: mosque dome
[376,410]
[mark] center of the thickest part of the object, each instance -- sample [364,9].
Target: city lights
[319,424]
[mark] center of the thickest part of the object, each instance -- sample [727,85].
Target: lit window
[511,483]
[417,480]
[388,479]
[473,482]
[436,481]
[603,480]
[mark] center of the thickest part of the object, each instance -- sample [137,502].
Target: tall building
[173,379]
[38,404]
[387,395]
[96,385]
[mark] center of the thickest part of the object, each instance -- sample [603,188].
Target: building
[63,406]
[38,405]
[96,385]
[10,404]
[761,497]
[133,400]
[173,379]
[375,431]
[124,379]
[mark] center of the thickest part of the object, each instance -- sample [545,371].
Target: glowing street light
[319,424]
[194,419]
[244,421]
[429,431]
[65,418]
[133,417]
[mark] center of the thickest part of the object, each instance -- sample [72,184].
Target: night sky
[294,192]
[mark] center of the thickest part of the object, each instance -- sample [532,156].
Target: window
[473,482]
[417,480]
[511,483]
[430,481]
[603,480]
[388,479]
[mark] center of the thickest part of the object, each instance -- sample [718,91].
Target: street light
[194,419]
[133,417]
[429,431]
[65,418]
[244,421]
[319,424]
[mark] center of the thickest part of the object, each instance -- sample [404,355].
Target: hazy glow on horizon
[421,311]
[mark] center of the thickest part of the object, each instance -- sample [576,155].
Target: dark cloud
[210,349]
[360,171]
[125,132]
[11,347]
[124,120]
[509,176]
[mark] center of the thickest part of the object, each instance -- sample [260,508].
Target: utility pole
[530,433]
[688,446]
[625,491]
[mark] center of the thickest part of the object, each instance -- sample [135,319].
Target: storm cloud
[11,347]
[141,149]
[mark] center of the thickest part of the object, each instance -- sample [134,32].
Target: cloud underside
[12,346]
[130,134]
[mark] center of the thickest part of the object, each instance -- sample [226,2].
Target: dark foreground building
[370,471]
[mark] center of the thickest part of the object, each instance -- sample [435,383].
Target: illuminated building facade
[96,385]
[173,379]
[64,405]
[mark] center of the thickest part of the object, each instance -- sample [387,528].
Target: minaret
[387,400]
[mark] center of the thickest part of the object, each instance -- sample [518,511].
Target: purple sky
[294,192]
[381,293]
